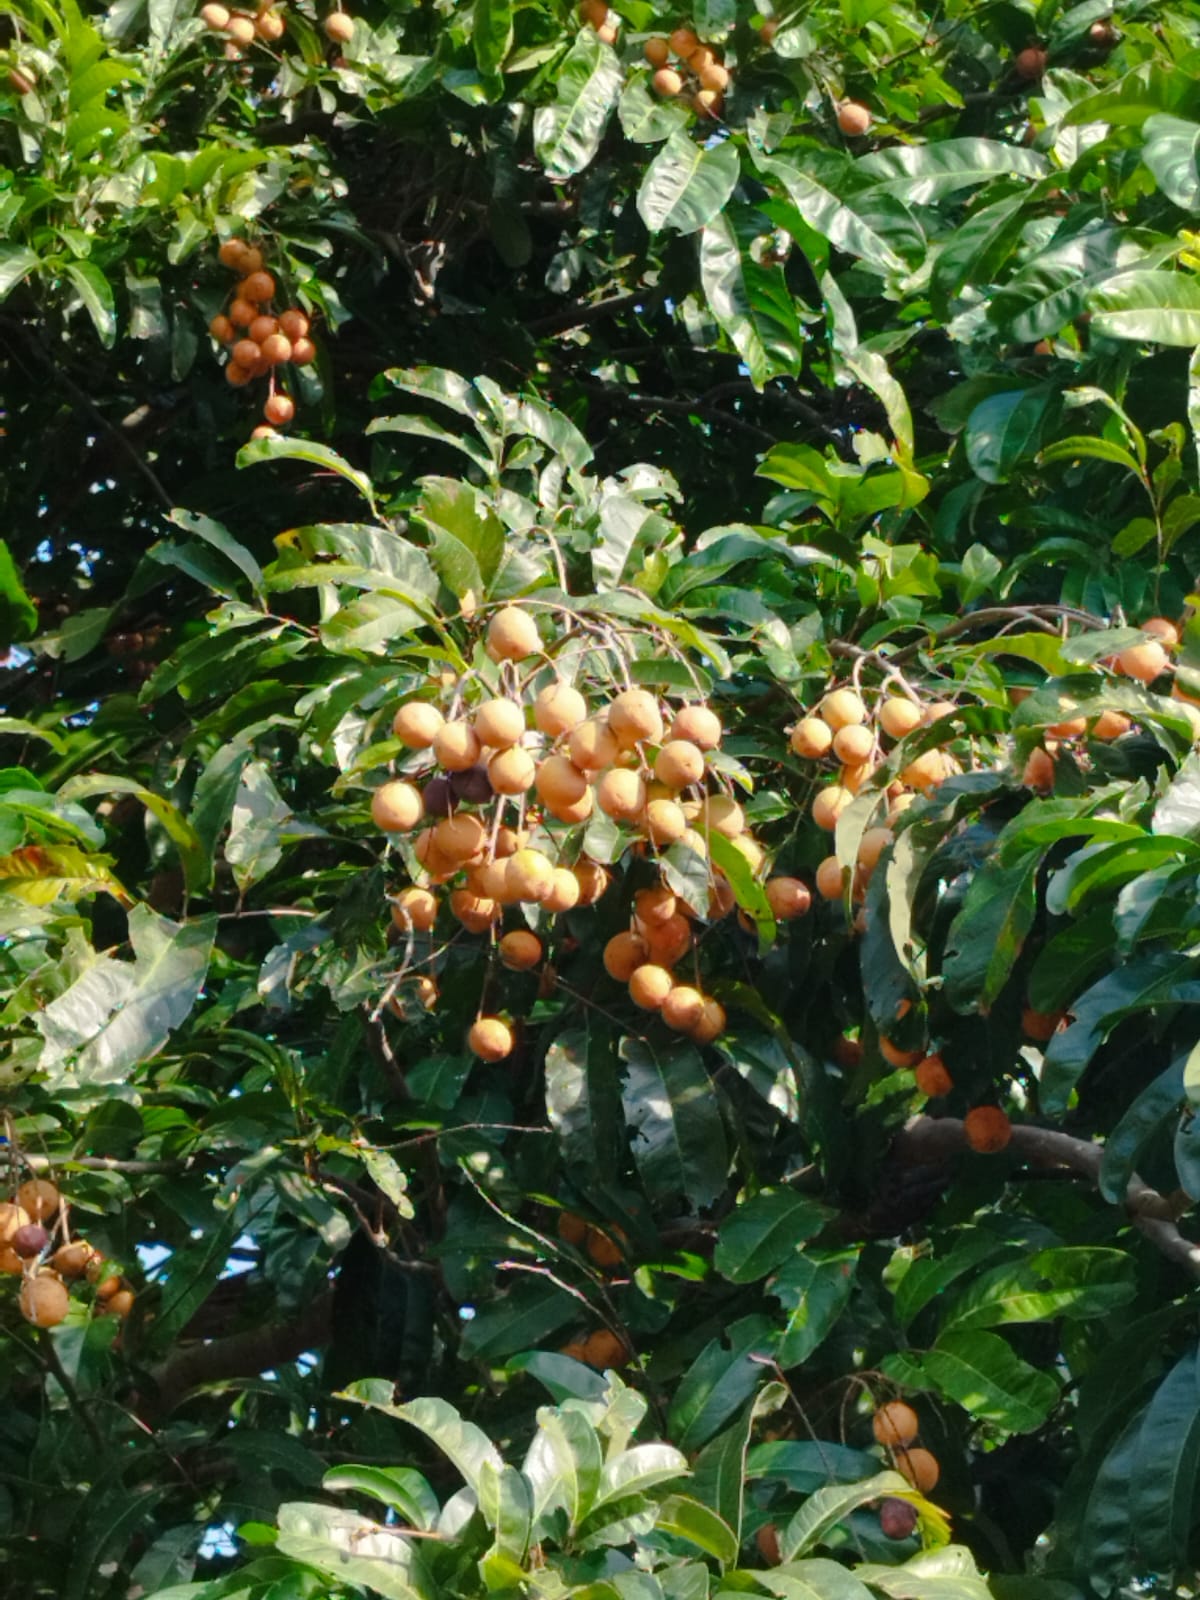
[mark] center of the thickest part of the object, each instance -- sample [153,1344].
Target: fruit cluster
[30,1224]
[241,29]
[699,72]
[896,1426]
[602,21]
[499,814]
[258,341]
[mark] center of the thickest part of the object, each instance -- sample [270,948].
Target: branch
[242,1355]
[929,1140]
[104,1164]
[688,408]
[576,316]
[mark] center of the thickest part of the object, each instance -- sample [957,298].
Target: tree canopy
[599,819]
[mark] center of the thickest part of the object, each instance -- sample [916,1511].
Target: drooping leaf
[687,184]
[567,134]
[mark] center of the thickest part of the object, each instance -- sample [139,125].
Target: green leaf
[923,173]
[644,117]
[981,1373]
[18,614]
[822,1511]
[678,1136]
[491,33]
[805,1465]
[748,892]
[402,1489]
[351,1549]
[719,1471]
[1092,446]
[567,134]
[948,1573]
[467,538]
[319,455]
[17,261]
[119,1013]
[40,874]
[827,214]
[95,292]
[583,1102]
[814,1288]
[522,1318]
[636,1471]
[570,1446]
[699,1525]
[466,1445]
[720,1381]
[752,303]
[1058,1282]
[1160,1103]
[214,534]
[987,935]
[1172,152]
[687,184]
[1159,307]
[194,858]
[1166,1469]
[763,1232]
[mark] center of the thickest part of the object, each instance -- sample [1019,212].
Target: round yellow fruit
[563,893]
[899,716]
[490,1038]
[828,805]
[558,709]
[512,635]
[528,875]
[414,908]
[455,746]
[457,839]
[591,746]
[560,782]
[665,822]
[416,724]
[397,807]
[634,718]
[699,726]
[621,795]
[853,744]
[499,723]
[811,738]
[623,955]
[511,771]
[649,986]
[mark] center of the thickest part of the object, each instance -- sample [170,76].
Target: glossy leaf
[687,184]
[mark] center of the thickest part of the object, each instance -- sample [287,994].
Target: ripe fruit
[707,102]
[304,352]
[490,1039]
[919,1467]
[559,782]
[604,1349]
[711,1024]
[828,806]
[665,822]
[262,328]
[119,1304]
[1145,662]
[667,82]
[240,29]
[39,1198]
[475,912]
[767,1537]
[276,349]
[899,716]
[895,1057]
[788,898]
[511,771]
[246,353]
[257,287]
[71,1260]
[571,1229]
[853,744]
[107,1287]
[457,839]
[699,726]
[591,746]
[932,1077]
[811,738]
[12,1218]
[608,32]
[1110,725]
[1071,729]
[1030,63]
[633,717]
[293,323]
[557,709]
[594,11]
[397,807]
[871,846]
[455,746]
[654,907]
[242,312]
[895,1424]
[605,1252]
[30,1240]
[416,724]
[657,52]
[926,772]
[897,1518]
[1162,629]
[563,893]
[669,941]
[579,812]
[520,950]
[232,251]
[722,815]
[623,955]
[621,795]
[512,635]
[683,42]
[1041,1025]
[679,763]
[987,1129]
[222,330]
[683,1008]
[528,875]
[499,723]
[853,118]
[279,408]
[1038,771]
[414,908]
[339,27]
[713,77]
[44,1300]
[649,986]
[269,26]
[829,879]
[842,707]
[593,880]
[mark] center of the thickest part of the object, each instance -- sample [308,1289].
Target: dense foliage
[870,369]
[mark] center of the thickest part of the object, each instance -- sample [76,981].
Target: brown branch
[1041,616]
[242,1355]
[105,1164]
[929,1141]
[577,316]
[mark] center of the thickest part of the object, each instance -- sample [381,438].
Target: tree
[827,371]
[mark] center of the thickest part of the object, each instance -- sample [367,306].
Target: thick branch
[929,1140]
[577,315]
[242,1355]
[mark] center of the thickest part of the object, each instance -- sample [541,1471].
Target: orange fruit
[294,323]
[895,1424]
[71,1260]
[559,782]
[634,718]
[987,1129]
[683,42]
[683,1008]
[1041,1025]
[649,986]
[828,805]
[604,1251]
[920,1467]
[455,747]
[711,1024]
[788,898]
[1145,662]
[853,744]
[665,822]
[698,725]
[242,312]
[339,27]
[232,250]
[932,1077]
[853,118]
[811,738]
[841,708]
[830,884]
[593,881]
[767,1537]
[304,352]
[414,908]
[279,408]
[563,893]
[1030,63]
[44,1299]
[397,807]
[1038,771]
[603,1349]
[669,941]
[499,723]
[653,907]
[511,771]
[657,52]
[257,287]
[1162,629]
[898,716]
[490,1039]
[679,763]
[12,1218]
[222,330]
[623,954]
[572,1229]
[457,839]
[512,635]
[276,349]
[1110,725]
[39,1199]
[558,709]
[591,746]
[520,950]
[895,1057]
[416,724]
[871,846]
[529,875]
[621,795]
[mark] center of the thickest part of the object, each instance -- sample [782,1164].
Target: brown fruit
[714,77]
[563,893]
[279,409]
[71,1260]
[30,1240]
[107,1287]
[528,875]
[242,312]
[558,709]
[499,723]
[1038,771]
[459,838]
[251,261]
[811,738]
[987,1129]
[1041,1025]
[414,908]
[1070,729]
[520,950]
[594,11]
[654,907]
[593,881]
[932,1077]
[396,807]
[591,746]
[276,349]
[666,82]
[246,353]
[232,251]
[572,1229]
[269,26]
[604,1350]
[559,782]
[339,27]
[262,328]
[683,1008]
[841,708]
[304,352]
[698,725]
[853,744]
[240,29]
[767,1537]
[623,955]
[895,1424]
[257,287]
[634,718]
[511,771]
[475,912]
[1145,662]
[1110,725]
[417,724]
[895,1057]
[39,1198]
[920,1467]
[1030,63]
[707,103]
[871,846]
[828,805]
[118,1305]
[788,898]
[897,1518]
[830,883]
[294,323]
[574,1350]
[621,795]
[669,941]
[711,1024]
[1162,629]
[44,1300]
[13,1216]
[222,330]
[657,52]
[604,1251]
[665,822]
[853,118]
[490,1039]
[679,763]
[649,986]
[455,747]
[683,42]
[512,635]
